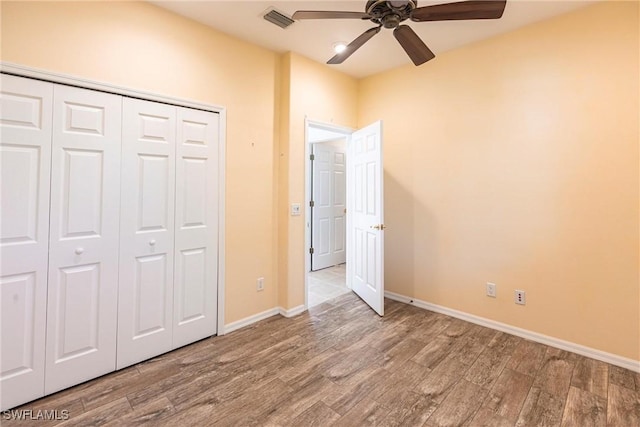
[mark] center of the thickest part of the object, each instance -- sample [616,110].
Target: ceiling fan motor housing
[389,13]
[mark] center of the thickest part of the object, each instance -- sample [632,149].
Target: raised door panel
[196,226]
[145,307]
[25,160]
[338,206]
[83,261]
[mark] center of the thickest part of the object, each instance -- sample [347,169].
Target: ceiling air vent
[278,18]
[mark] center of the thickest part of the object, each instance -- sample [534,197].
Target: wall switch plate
[295,209]
[491,289]
[520,297]
[260,284]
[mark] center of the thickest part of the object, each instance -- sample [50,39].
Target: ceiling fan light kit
[390,15]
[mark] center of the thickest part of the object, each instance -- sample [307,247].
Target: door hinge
[312,203]
[311,251]
[312,157]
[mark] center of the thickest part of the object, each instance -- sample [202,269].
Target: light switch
[295,209]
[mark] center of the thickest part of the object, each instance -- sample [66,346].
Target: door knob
[152,242]
[79,251]
[379,227]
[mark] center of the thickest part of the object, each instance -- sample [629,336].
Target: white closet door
[83,260]
[145,307]
[329,197]
[196,256]
[25,160]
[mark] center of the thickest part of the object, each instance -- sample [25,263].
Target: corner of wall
[282,183]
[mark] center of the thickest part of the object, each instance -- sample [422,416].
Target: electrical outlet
[491,289]
[260,284]
[520,297]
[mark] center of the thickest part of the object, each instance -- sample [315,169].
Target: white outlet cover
[295,209]
[491,289]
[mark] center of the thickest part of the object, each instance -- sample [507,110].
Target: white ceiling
[315,38]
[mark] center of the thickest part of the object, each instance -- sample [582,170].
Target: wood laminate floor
[340,364]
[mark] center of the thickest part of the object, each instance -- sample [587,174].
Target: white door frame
[66,79]
[346,132]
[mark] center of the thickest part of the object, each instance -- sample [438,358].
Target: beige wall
[318,93]
[141,46]
[515,160]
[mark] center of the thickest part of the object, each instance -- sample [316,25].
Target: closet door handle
[79,251]
[152,242]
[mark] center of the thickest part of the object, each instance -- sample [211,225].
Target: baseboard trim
[623,362]
[292,311]
[233,326]
[238,324]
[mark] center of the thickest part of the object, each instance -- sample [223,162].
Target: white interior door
[329,204]
[145,296]
[196,232]
[25,161]
[365,216]
[84,234]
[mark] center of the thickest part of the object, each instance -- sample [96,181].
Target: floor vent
[278,18]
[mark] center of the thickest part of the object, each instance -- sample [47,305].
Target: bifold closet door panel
[145,299]
[196,253]
[84,234]
[25,160]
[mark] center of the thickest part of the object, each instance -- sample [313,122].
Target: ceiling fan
[389,14]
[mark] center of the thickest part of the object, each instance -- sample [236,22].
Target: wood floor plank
[367,412]
[460,406]
[527,357]
[244,409]
[436,325]
[487,418]
[303,397]
[435,351]
[411,409]
[439,382]
[555,374]
[220,388]
[584,409]
[347,395]
[406,378]
[541,409]
[592,376]
[507,396]
[69,400]
[103,415]
[150,413]
[622,377]
[399,354]
[623,407]
[317,415]
[469,346]
[490,363]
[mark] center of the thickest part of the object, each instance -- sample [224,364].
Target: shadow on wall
[404,238]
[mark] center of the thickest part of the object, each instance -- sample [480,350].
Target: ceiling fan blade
[471,9]
[318,14]
[354,45]
[411,43]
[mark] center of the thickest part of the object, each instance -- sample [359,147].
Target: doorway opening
[325,201]
[359,208]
